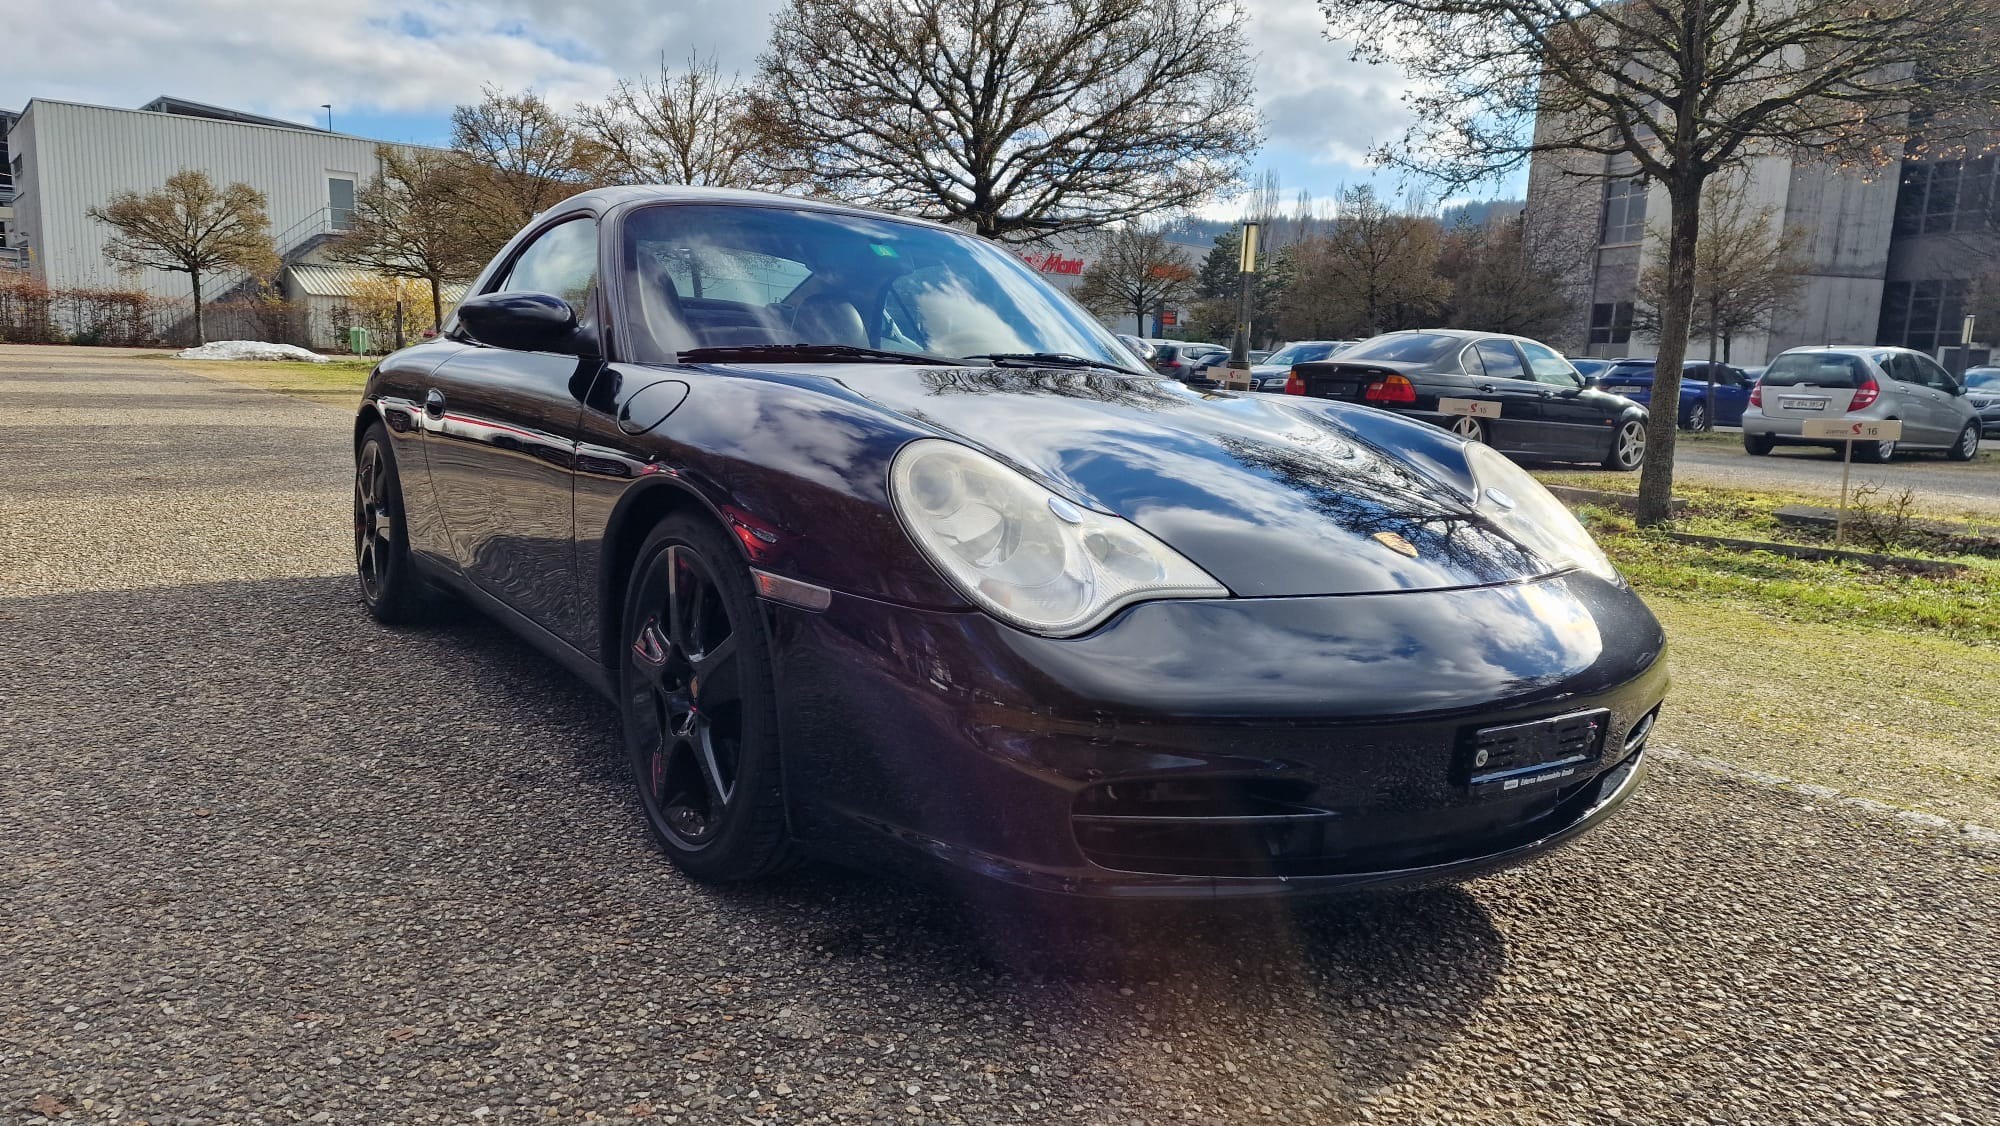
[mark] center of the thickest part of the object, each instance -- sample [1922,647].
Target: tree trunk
[200,330]
[437,306]
[1714,314]
[1656,480]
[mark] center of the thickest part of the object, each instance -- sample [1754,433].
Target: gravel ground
[1951,487]
[266,862]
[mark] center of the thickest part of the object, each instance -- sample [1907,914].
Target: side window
[1548,366]
[1501,361]
[1901,367]
[561,261]
[1468,361]
[1931,374]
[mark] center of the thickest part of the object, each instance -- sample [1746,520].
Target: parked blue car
[1634,380]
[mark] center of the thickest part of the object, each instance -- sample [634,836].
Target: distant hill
[1478,212]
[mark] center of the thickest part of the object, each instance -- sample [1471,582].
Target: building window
[1923,314]
[1946,196]
[340,202]
[1611,323]
[1625,209]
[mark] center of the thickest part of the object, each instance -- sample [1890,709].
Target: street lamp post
[1239,349]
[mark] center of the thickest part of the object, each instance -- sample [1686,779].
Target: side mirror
[520,322]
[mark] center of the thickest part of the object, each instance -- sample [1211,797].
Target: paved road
[1947,486]
[262,861]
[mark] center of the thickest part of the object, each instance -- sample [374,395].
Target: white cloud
[286,57]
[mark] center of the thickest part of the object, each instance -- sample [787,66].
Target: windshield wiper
[832,353]
[1051,360]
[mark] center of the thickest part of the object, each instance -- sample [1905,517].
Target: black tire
[699,706]
[1466,426]
[1875,453]
[1759,445]
[1628,446]
[390,586]
[1967,446]
[1696,418]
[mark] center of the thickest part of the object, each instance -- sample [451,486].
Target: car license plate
[1803,404]
[1504,761]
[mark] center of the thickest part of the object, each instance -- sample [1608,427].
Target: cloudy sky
[394,68]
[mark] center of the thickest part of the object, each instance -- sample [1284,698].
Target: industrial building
[1896,253]
[64,158]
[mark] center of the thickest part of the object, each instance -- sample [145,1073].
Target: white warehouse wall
[77,157]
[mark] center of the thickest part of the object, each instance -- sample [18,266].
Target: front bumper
[1241,747]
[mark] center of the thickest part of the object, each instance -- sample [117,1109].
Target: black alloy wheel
[699,706]
[1967,446]
[390,586]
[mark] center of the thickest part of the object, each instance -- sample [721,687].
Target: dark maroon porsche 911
[890,554]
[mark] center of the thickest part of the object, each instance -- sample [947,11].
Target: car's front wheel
[390,586]
[700,708]
[1628,446]
[1967,446]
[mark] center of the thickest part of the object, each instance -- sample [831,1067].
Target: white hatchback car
[1862,385]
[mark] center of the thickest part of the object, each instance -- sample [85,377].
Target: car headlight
[1536,520]
[1022,553]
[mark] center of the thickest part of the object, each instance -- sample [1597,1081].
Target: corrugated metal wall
[82,155]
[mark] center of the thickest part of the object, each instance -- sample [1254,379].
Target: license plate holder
[1507,759]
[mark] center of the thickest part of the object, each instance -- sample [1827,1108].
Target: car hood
[1271,496]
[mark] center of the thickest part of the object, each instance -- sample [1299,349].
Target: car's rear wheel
[1696,418]
[1759,445]
[1466,426]
[390,586]
[1874,452]
[1628,446]
[700,708]
[1967,446]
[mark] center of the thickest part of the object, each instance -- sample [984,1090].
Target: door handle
[1548,394]
[434,403]
[1487,388]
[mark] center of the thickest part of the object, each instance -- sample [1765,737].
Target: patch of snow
[249,350]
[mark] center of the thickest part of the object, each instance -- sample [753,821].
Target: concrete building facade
[1894,253]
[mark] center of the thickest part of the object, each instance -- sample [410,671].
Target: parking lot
[266,861]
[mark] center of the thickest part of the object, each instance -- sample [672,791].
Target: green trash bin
[357,340]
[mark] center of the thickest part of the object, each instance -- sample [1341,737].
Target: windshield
[725,276]
[1410,347]
[1820,369]
[1304,352]
[1985,379]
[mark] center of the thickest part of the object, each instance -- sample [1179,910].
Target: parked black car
[1545,410]
[887,552]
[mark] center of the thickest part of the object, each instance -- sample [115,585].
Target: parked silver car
[1861,384]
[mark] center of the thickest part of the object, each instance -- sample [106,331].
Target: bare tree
[1680,89]
[1021,118]
[529,157]
[1747,267]
[1136,271]
[1506,279]
[411,222]
[190,227]
[691,126]
[1375,271]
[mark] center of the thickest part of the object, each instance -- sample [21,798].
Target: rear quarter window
[1796,370]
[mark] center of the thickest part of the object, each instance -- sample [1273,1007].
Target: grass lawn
[336,381]
[1883,684]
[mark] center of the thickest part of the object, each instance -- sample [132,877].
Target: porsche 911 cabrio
[890,554]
